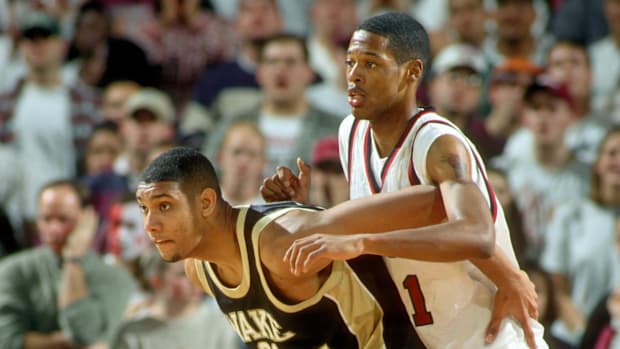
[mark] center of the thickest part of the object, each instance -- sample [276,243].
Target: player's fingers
[494,324]
[314,258]
[302,256]
[527,330]
[294,251]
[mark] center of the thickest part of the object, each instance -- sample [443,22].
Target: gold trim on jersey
[198,266]
[359,309]
[243,287]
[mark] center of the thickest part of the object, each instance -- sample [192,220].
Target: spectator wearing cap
[149,121]
[568,63]
[328,185]
[554,174]
[455,90]
[44,120]
[514,36]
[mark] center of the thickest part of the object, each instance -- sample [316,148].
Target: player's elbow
[485,232]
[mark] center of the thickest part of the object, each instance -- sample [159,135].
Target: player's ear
[208,201]
[415,68]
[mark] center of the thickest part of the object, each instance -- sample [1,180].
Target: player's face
[169,219]
[608,164]
[375,79]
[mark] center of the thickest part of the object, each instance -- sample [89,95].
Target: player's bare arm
[448,162]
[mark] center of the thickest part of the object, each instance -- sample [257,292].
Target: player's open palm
[311,253]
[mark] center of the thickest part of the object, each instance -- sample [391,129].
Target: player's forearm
[445,242]
[498,268]
[411,207]
[54,340]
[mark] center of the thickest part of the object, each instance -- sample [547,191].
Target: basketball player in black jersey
[236,254]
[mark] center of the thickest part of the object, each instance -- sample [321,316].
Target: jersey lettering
[421,316]
[257,324]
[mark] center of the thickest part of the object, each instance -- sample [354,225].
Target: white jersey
[449,303]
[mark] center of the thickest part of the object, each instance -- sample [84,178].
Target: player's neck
[219,244]
[389,127]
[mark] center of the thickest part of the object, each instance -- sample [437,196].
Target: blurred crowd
[91,91]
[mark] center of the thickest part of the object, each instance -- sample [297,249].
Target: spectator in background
[333,22]
[547,310]
[605,54]
[455,88]
[183,27]
[328,185]
[568,63]
[507,85]
[99,58]
[290,124]
[331,95]
[499,182]
[580,245]
[241,160]
[580,21]
[553,175]
[114,97]
[514,36]
[60,295]
[177,316]
[466,25]
[255,21]
[43,119]
[149,120]
[103,147]
[11,236]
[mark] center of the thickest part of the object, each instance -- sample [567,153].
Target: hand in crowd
[81,238]
[284,185]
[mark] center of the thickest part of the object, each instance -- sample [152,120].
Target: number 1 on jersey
[421,316]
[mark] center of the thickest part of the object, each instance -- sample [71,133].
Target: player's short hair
[186,166]
[407,37]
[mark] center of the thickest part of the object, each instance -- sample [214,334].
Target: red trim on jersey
[374,186]
[354,125]
[490,191]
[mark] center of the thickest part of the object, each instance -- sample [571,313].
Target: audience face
[258,19]
[91,31]
[334,20]
[132,239]
[467,20]
[548,117]
[242,157]
[103,148]
[176,286]
[514,19]
[59,211]
[283,72]
[143,131]
[114,98]
[43,53]
[456,92]
[607,166]
[569,64]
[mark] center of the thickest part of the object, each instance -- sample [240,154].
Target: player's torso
[448,303]
[342,314]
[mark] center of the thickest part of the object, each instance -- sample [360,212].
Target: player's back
[449,303]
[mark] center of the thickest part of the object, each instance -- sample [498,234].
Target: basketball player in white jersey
[389,144]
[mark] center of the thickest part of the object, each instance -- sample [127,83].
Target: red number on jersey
[421,317]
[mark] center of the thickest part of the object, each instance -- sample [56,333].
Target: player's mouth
[356,97]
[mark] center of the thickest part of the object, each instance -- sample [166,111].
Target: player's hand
[307,253]
[284,185]
[81,237]
[515,297]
